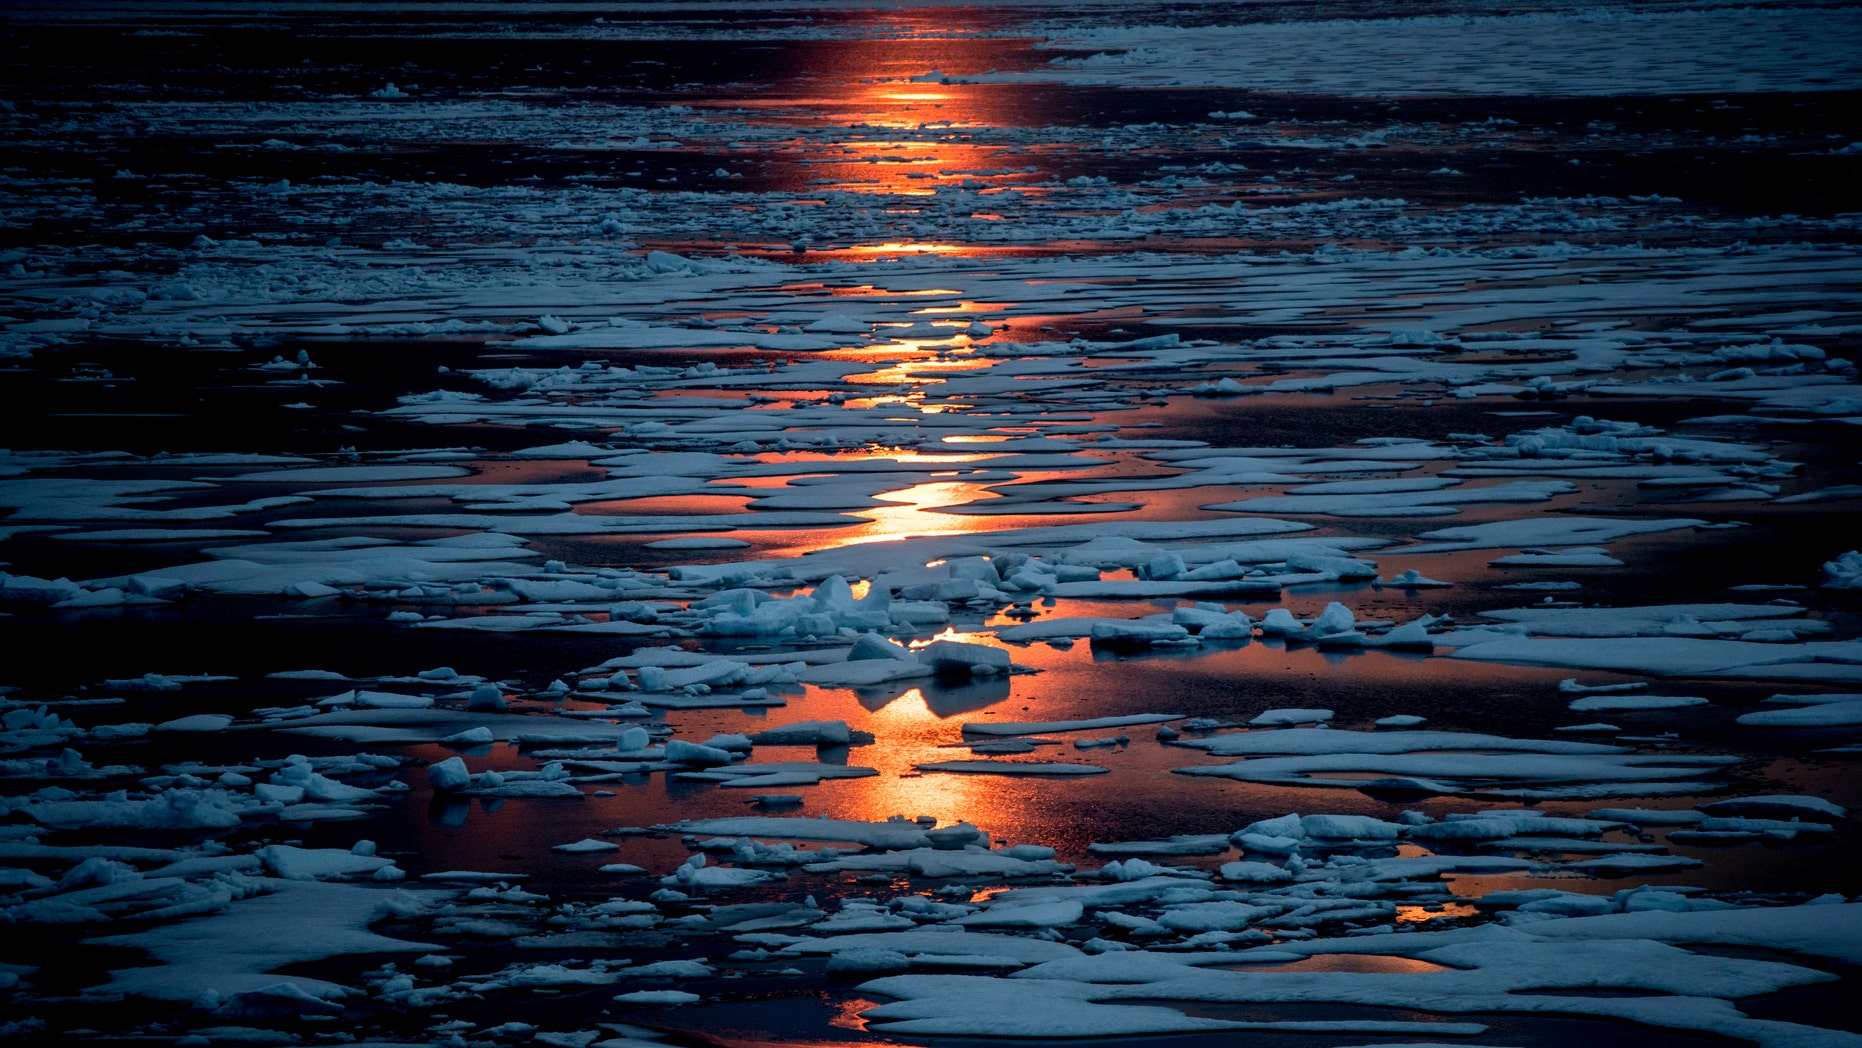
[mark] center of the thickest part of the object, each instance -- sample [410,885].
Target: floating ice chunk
[1411,636]
[1413,579]
[1218,916]
[1845,572]
[1814,700]
[1183,844]
[939,942]
[659,997]
[1134,634]
[1575,557]
[319,813]
[199,722]
[865,673]
[26,589]
[1321,741]
[891,834]
[1291,716]
[388,700]
[1280,622]
[1344,568]
[1630,862]
[838,324]
[683,752]
[1164,566]
[1542,587]
[1830,931]
[806,733]
[695,874]
[1347,827]
[1026,915]
[1072,627]
[678,969]
[967,861]
[1047,727]
[586,845]
[779,773]
[873,646]
[449,775]
[1828,662]
[1794,804]
[174,809]
[1400,720]
[957,1005]
[868,961]
[1365,754]
[1543,531]
[318,864]
[1649,816]
[486,697]
[1212,621]
[297,772]
[1635,702]
[297,922]
[1650,621]
[1254,873]
[1570,686]
[734,742]
[1822,715]
[946,656]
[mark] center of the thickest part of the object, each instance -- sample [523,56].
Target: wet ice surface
[833,526]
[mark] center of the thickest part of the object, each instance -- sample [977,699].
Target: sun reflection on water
[1434,912]
[913,515]
[917,733]
[906,247]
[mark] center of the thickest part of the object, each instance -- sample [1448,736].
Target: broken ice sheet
[233,952]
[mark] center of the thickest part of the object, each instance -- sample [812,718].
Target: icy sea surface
[1325,524]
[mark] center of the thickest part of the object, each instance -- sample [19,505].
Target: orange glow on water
[903,458]
[1424,914]
[915,513]
[916,96]
[915,458]
[918,734]
[670,505]
[907,247]
[1360,963]
[921,371]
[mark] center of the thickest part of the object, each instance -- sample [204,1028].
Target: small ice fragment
[449,775]
[587,845]
[1291,716]
[658,997]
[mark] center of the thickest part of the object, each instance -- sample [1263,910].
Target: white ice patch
[294,922]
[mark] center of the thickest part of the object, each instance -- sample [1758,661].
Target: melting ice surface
[630,528]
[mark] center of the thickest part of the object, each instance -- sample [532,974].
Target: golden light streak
[1435,912]
[899,247]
